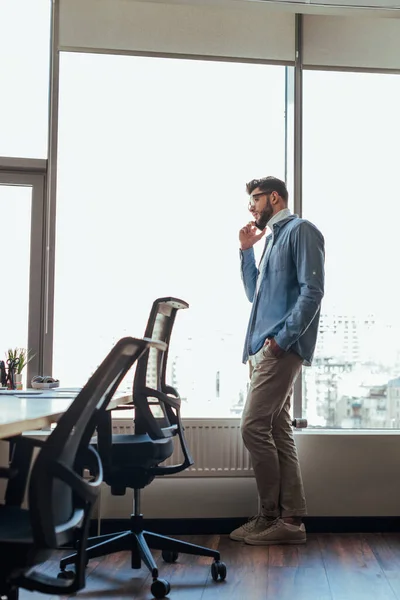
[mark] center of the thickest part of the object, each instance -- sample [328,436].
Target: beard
[265,216]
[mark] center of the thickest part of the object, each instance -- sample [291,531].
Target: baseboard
[224,526]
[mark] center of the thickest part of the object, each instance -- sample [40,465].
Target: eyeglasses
[255,198]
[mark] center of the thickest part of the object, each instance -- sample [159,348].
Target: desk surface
[34,409]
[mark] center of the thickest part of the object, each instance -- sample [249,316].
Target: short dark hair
[269,184]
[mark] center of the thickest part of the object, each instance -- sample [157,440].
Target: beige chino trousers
[268,436]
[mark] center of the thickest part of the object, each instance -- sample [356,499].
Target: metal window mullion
[34,367]
[298,169]
[23,165]
[48,266]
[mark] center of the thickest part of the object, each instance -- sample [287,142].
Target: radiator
[216,447]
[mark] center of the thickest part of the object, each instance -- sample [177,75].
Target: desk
[30,410]
[37,409]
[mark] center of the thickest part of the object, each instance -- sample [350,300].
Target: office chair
[60,499]
[133,461]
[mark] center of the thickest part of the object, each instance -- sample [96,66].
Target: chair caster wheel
[169,556]
[218,571]
[160,588]
[66,575]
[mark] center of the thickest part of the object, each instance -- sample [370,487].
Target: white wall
[345,474]
[351,474]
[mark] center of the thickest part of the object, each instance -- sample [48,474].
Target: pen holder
[18,381]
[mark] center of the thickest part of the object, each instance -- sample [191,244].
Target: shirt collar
[279,216]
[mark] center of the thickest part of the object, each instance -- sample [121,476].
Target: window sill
[234,421]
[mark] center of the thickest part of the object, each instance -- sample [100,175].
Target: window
[15,202]
[154,155]
[351,183]
[21,204]
[24,75]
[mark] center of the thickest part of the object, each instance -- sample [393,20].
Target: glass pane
[150,203]
[24,76]
[351,122]
[15,239]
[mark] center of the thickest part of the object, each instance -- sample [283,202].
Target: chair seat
[132,458]
[16,541]
[15,526]
[140,450]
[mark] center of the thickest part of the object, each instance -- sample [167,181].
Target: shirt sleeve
[308,248]
[249,272]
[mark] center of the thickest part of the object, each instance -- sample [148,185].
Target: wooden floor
[328,567]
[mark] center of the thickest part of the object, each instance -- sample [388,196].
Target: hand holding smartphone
[248,235]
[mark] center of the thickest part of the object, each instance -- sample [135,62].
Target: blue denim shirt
[287,306]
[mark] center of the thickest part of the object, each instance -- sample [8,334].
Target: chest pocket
[277,259]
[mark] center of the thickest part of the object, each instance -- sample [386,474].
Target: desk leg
[4,462]
[21,458]
[99,512]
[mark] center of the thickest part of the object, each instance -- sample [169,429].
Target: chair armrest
[187,457]
[125,406]
[7,472]
[26,439]
[22,448]
[86,490]
[88,459]
[174,402]
[169,389]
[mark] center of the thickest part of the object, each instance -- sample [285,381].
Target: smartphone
[261,228]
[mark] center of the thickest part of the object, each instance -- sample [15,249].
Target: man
[286,292]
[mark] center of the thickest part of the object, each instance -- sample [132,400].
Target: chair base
[139,542]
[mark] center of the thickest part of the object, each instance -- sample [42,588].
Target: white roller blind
[245,30]
[365,42]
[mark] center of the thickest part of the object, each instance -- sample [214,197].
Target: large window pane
[351,183]
[15,204]
[24,76]
[153,159]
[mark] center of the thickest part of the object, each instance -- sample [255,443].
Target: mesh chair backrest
[151,414]
[51,501]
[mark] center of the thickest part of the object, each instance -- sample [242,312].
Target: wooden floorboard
[328,567]
[247,572]
[386,548]
[298,583]
[353,569]
[347,551]
[307,555]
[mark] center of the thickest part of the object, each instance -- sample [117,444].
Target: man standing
[286,292]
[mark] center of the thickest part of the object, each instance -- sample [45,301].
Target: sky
[351,182]
[155,194]
[24,76]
